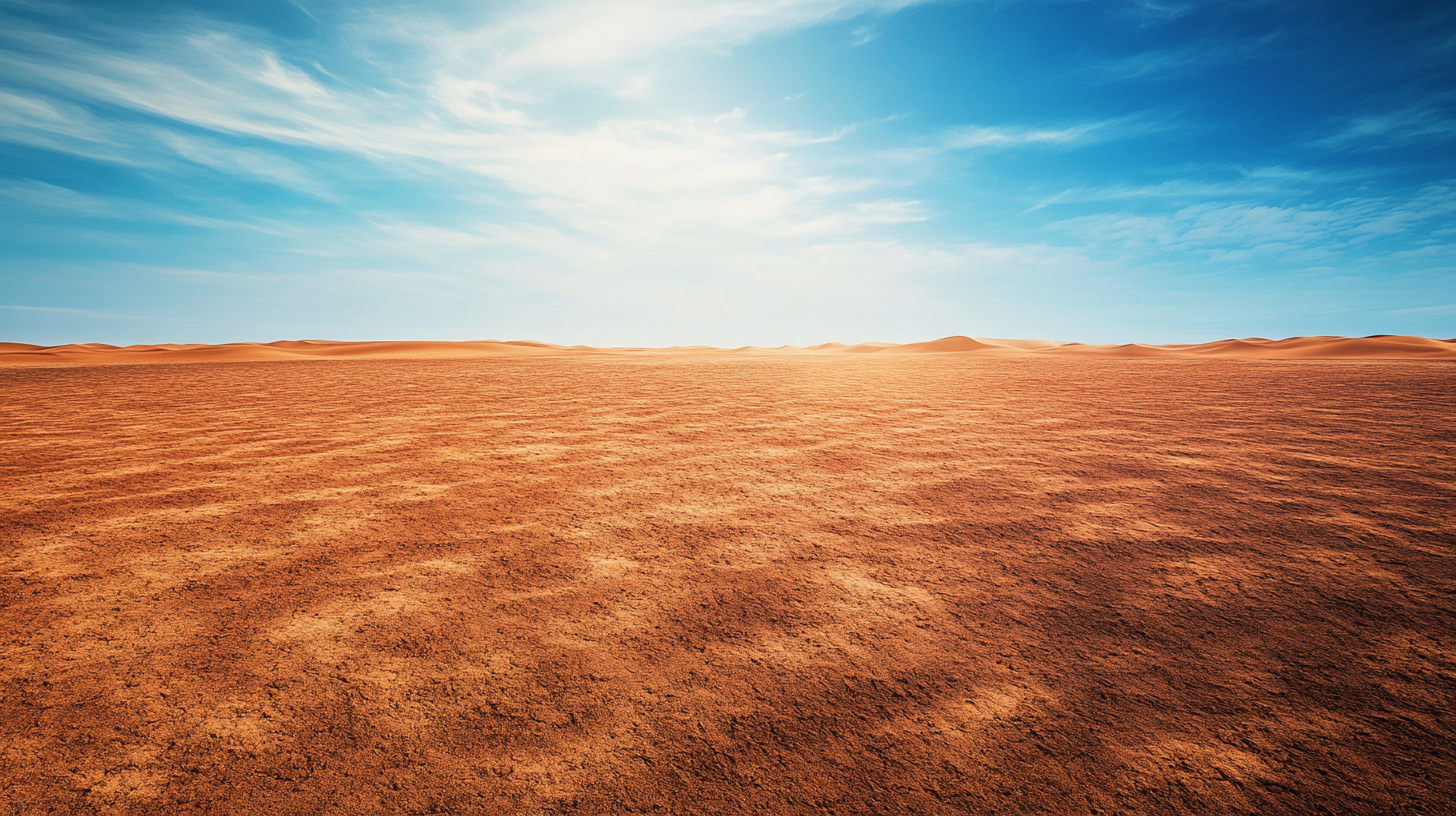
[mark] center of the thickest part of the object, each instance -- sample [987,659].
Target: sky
[725,172]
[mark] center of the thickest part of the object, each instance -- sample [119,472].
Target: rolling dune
[1378,347]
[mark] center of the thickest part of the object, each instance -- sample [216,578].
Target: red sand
[1388,347]
[705,583]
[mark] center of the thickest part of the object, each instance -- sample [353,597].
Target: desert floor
[738,585]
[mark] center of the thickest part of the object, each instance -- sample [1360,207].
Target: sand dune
[1378,347]
[19,354]
[944,344]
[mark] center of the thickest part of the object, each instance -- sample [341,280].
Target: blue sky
[725,171]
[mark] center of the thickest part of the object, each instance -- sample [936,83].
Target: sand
[822,582]
[1386,347]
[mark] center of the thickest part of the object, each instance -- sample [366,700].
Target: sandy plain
[848,583]
[1375,347]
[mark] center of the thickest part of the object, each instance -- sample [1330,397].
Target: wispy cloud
[49,309]
[669,192]
[1175,189]
[1156,11]
[612,177]
[62,202]
[863,35]
[866,214]
[539,148]
[1429,121]
[1246,183]
[972,137]
[38,121]
[256,164]
[1234,232]
[92,313]
[555,34]
[1169,63]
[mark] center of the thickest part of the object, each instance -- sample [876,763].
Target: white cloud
[1248,182]
[1152,11]
[1173,62]
[866,214]
[252,163]
[48,123]
[690,196]
[1242,231]
[625,174]
[684,213]
[863,35]
[1425,122]
[91,313]
[476,101]
[973,137]
[570,35]
[62,202]
[1171,189]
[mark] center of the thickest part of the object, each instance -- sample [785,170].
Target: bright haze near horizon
[725,172]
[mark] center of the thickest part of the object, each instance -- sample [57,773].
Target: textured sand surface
[1386,346]
[850,583]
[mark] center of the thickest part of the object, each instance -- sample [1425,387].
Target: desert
[964,576]
[1382,346]
[727,407]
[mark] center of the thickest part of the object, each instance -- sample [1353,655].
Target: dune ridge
[1376,347]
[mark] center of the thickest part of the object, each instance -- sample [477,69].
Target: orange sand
[1385,347]
[556,582]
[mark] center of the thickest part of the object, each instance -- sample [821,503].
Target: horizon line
[1376,346]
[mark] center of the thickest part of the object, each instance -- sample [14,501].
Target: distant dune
[1375,347]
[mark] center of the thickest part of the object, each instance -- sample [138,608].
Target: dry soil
[846,584]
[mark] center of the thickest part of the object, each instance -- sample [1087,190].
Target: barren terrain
[1375,347]
[849,583]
